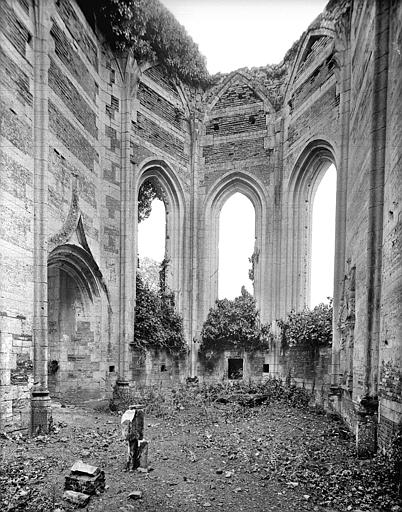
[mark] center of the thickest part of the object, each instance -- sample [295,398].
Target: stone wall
[16,216]
[158,368]
[390,354]
[233,365]
[78,137]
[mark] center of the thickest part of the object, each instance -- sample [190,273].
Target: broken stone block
[143,454]
[135,495]
[79,499]
[85,478]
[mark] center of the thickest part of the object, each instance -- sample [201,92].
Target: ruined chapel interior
[82,129]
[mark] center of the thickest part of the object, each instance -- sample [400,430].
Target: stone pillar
[376,200]
[366,431]
[40,400]
[128,221]
[343,70]
[193,260]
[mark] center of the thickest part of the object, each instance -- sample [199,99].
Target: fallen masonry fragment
[76,498]
[83,481]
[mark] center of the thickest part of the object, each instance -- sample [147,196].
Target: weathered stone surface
[135,495]
[132,430]
[77,498]
[84,478]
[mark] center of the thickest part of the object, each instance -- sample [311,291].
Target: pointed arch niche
[238,182]
[78,325]
[175,215]
[307,175]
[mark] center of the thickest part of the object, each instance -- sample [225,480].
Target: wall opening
[236,246]
[74,334]
[235,369]
[151,233]
[323,237]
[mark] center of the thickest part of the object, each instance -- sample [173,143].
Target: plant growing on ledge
[157,324]
[152,34]
[310,328]
[235,324]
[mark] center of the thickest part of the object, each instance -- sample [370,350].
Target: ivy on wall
[235,324]
[148,30]
[157,324]
[310,328]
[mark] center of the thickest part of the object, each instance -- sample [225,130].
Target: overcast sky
[232,34]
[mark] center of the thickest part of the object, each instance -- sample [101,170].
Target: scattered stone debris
[266,450]
[135,495]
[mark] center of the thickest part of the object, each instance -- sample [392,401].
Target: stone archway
[77,327]
[223,189]
[307,174]
[175,223]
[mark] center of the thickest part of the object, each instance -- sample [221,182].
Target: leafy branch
[148,30]
[307,328]
[235,324]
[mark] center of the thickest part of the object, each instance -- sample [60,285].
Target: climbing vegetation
[148,30]
[235,324]
[157,324]
[310,328]
[151,189]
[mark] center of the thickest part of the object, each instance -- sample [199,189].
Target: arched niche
[78,325]
[227,186]
[307,174]
[175,222]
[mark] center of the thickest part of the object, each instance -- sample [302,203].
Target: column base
[366,428]
[41,413]
[121,396]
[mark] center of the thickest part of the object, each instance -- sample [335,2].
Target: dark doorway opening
[235,369]
[265,368]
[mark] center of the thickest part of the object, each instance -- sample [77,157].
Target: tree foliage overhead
[152,34]
[310,328]
[151,189]
[235,324]
[157,324]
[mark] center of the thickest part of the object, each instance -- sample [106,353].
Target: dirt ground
[268,458]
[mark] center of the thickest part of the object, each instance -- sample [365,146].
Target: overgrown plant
[235,324]
[310,328]
[148,30]
[157,324]
[151,189]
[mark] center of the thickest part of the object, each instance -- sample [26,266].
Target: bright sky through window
[236,245]
[323,239]
[152,233]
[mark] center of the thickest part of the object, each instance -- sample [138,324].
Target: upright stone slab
[132,427]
